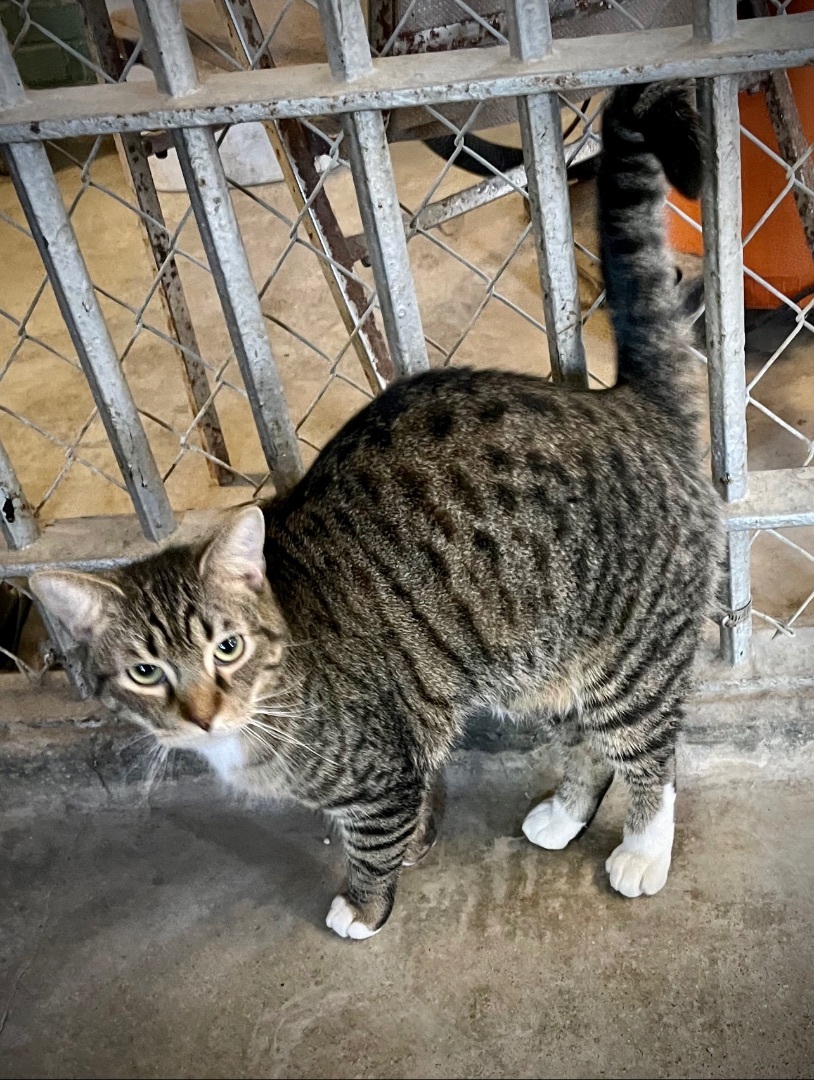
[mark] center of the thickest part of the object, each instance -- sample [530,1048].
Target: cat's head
[187,642]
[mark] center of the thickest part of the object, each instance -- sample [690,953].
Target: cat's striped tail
[648,132]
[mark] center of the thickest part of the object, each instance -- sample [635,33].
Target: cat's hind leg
[636,729]
[555,822]
[429,820]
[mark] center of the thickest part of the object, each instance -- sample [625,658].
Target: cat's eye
[146,674]
[230,649]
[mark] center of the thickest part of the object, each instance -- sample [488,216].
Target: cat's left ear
[236,551]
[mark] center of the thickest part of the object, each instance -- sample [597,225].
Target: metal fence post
[349,58]
[174,69]
[136,163]
[715,20]
[544,154]
[296,150]
[53,233]
[19,528]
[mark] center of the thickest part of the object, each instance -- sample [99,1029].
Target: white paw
[633,873]
[342,920]
[549,825]
[641,863]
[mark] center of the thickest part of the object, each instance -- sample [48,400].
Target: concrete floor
[180,935]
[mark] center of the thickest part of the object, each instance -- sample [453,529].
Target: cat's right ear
[84,604]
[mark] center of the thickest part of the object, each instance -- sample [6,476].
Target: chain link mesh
[475,273]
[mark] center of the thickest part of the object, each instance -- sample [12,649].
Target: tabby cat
[470,538]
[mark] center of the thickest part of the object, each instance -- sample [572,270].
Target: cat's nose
[199,705]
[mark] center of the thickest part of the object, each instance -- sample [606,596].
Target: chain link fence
[346,263]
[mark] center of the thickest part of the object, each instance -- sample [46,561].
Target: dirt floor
[181,934]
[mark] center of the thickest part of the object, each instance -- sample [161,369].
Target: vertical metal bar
[349,58]
[174,69]
[20,529]
[53,233]
[136,163]
[723,289]
[792,143]
[544,155]
[296,150]
[16,518]
[714,20]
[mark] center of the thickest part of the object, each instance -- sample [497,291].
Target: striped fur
[470,538]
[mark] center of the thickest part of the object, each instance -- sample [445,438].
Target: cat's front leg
[377,839]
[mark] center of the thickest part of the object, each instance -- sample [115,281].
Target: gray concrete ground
[180,935]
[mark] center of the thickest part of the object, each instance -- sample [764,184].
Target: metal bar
[16,517]
[467,75]
[96,543]
[736,623]
[136,165]
[346,40]
[296,150]
[714,20]
[777,499]
[793,145]
[480,194]
[349,56]
[549,200]
[53,233]
[174,69]
[723,290]
[20,530]
[790,135]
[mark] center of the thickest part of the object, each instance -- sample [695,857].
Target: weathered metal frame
[350,59]
[544,153]
[358,88]
[401,81]
[135,158]
[296,150]
[174,69]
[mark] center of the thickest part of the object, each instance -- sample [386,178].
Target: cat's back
[478,481]
[482,442]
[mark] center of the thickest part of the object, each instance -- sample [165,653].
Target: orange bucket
[778,251]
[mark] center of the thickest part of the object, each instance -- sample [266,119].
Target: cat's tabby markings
[470,538]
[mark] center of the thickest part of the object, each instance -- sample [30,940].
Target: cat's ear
[236,551]
[84,604]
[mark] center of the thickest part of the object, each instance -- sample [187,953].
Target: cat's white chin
[224,752]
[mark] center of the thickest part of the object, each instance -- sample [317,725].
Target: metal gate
[321,118]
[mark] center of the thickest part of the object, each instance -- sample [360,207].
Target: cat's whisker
[158,764]
[279,696]
[286,737]
[137,739]
[286,714]
[255,738]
